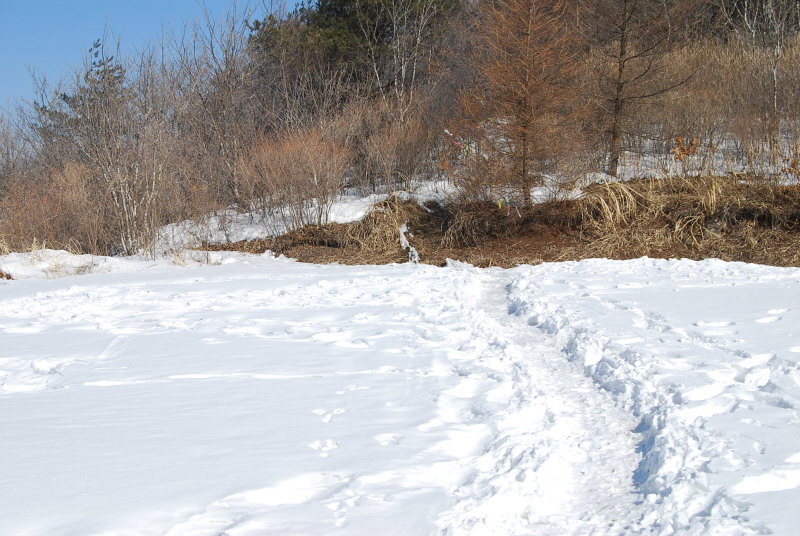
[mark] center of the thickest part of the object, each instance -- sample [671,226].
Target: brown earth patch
[730,218]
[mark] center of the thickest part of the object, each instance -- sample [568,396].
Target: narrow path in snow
[562,457]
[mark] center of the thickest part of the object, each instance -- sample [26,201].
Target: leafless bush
[217,116]
[60,212]
[107,142]
[296,177]
[388,153]
[726,111]
[12,152]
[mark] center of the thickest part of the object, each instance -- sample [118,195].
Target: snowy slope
[257,395]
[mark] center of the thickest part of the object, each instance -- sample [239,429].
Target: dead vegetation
[731,218]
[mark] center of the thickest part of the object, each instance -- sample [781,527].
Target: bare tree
[95,123]
[12,152]
[631,40]
[293,86]
[108,133]
[399,38]
[215,85]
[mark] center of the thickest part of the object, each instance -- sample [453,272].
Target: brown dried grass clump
[60,210]
[379,230]
[724,217]
[470,224]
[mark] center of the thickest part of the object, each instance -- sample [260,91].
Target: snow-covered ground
[253,395]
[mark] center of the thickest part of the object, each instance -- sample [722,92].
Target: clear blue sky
[51,36]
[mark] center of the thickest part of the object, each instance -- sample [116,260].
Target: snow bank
[705,355]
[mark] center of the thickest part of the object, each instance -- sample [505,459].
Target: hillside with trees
[686,111]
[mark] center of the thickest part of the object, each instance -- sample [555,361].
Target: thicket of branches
[279,113]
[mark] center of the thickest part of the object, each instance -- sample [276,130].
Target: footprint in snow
[324,446]
[385,440]
[754,378]
[343,339]
[773,315]
[713,324]
[715,328]
[351,388]
[327,416]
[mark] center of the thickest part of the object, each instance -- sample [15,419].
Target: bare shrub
[111,135]
[295,177]
[215,105]
[397,152]
[388,153]
[721,119]
[60,212]
[12,152]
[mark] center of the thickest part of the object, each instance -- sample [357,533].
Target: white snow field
[256,395]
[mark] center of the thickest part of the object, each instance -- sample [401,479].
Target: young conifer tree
[524,57]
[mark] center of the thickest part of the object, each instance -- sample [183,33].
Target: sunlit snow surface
[254,395]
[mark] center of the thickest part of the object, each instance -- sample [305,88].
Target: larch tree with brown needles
[524,58]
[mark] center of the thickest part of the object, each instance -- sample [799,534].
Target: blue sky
[50,37]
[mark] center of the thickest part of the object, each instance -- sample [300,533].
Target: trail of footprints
[325,446]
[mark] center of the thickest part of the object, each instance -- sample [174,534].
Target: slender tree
[631,39]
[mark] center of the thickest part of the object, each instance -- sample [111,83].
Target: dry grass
[380,229]
[470,224]
[4,250]
[725,217]
[731,218]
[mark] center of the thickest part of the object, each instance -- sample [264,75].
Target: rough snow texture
[256,395]
[705,355]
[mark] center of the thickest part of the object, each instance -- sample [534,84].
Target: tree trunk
[615,143]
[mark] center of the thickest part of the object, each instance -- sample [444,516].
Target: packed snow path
[264,396]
